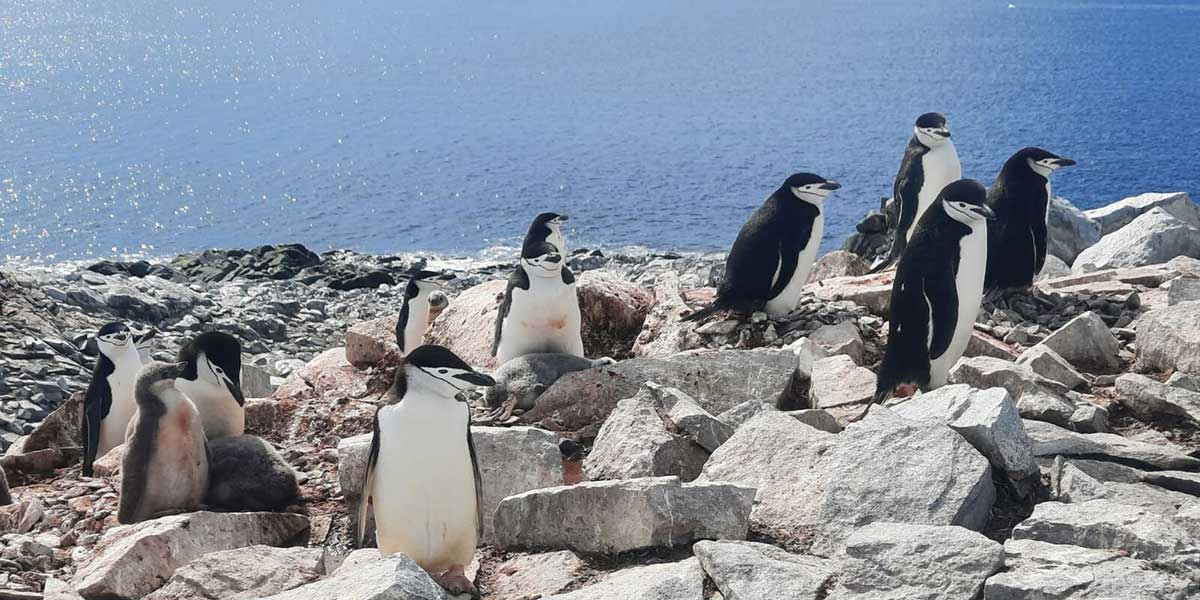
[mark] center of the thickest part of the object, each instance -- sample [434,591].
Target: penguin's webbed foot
[455,581]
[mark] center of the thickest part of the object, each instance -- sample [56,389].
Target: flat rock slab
[1040,571]
[816,487]
[369,342]
[511,460]
[683,580]
[1152,238]
[837,382]
[133,560]
[1051,440]
[1086,343]
[1105,525]
[536,575]
[983,372]
[1169,339]
[1047,363]
[1148,398]
[916,562]
[395,577]
[754,570]
[716,379]
[617,516]
[1112,217]
[842,338]
[244,574]
[988,419]
[871,291]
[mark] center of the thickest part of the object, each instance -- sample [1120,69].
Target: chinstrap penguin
[1020,197]
[521,380]
[415,313]
[246,473]
[547,227]
[774,251]
[930,163]
[937,292]
[540,310]
[165,466]
[109,404]
[212,381]
[422,479]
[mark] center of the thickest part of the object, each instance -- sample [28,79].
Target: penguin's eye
[443,371]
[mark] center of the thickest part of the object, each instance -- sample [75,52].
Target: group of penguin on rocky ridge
[182,424]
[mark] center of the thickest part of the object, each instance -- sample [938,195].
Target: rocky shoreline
[709,461]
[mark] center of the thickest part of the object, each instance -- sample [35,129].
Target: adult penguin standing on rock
[774,252]
[1020,198]
[930,163]
[109,404]
[540,311]
[937,292]
[422,296]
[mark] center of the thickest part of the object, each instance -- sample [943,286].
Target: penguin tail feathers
[704,312]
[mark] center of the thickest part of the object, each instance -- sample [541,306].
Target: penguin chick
[522,380]
[246,473]
[165,466]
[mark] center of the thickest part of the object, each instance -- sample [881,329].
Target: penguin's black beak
[236,391]
[831,185]
[985,211]
[944,133]
[1064,162]
[475,378]
[562,218]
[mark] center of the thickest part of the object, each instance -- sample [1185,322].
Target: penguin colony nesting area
[586,426]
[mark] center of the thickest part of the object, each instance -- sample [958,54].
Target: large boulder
[988,419]
[916,562]
[1051,440]
[1149,399]
[1069,230]
[617,516]
[1103,524]
[1087,343]
[838,263]
[918,473]
[244,574]
[755,570]
[983,372]
[1038,570]
[1152,238]
[1169,339]
[468,326]
[635,441]
[395,577]
[1184,289]
[369,342]
[511,460]
[613,312]
[716,379]
[683,580]
[134,560]
[1123,212]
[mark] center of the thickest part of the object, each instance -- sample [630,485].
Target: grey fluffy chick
[247,473]
[521,380]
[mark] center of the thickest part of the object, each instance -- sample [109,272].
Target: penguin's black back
[781,221]
[1017,238]
[907,185]
[927,270]
[410,291]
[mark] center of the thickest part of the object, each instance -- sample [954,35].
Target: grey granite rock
[1169,339]
[1037,570]
[1149,399]
[1070,231]
[838,382]
[395,577]
[755,570]
[1051,440]
[683,580]
[617,516]
[1184,289]
[842,338]
[694,422]
[896,561]
[1086,343]
[635,441]
[1049,364]
[1112,217]
[244,574]
[1154,237]
[1103,524]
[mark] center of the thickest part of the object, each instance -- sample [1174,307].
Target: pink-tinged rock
[467,326]
[369,342]
[331,375]
[613,312]
[871,291]
[838,263]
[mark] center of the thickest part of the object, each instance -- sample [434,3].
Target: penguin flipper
[789,257]
[364,498]
[1039,246]
[478,479]
[941,295]
[518,279]
[97,402]
[905,190]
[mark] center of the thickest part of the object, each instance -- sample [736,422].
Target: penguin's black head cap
[549,218]
[425,280]
[439,366]
[220,348]
[932,129]
[809,187]
[965,201]
[115,333]
[1042,162]
[543,226]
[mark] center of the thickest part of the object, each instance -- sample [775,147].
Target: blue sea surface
[158,126]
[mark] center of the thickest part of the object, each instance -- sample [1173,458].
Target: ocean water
[157,126]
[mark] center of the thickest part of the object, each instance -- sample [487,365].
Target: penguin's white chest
[544,318]
[786,301]
[120,383]
[424,483]
[940,168]
[220,414]
[968,283]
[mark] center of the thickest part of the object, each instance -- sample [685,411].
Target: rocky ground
[1062,462]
